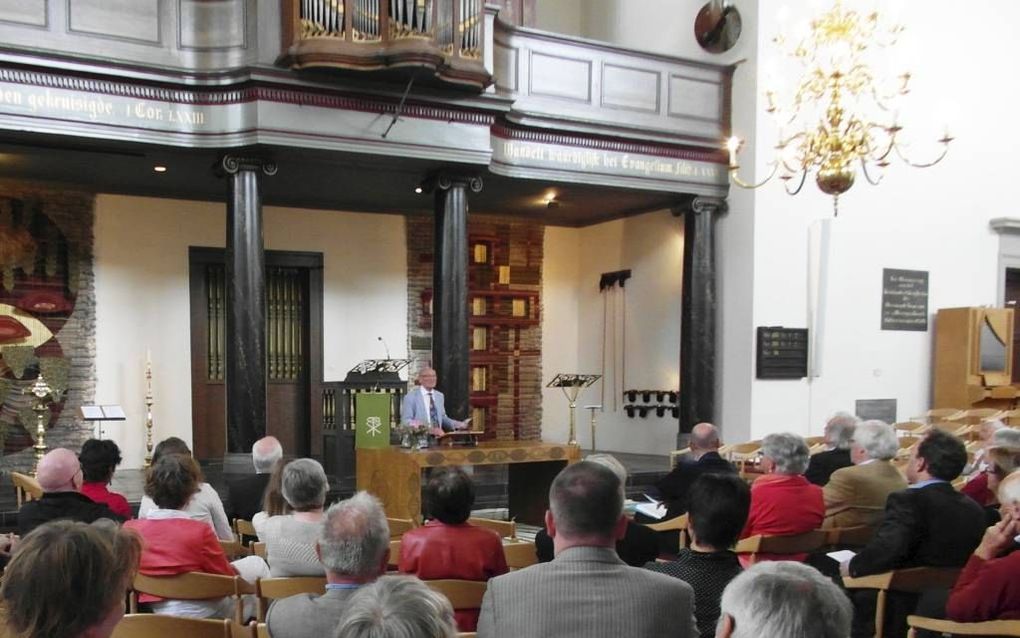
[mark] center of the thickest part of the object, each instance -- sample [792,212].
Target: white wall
[559,16]
[934,219]
[651,246]
[141,267]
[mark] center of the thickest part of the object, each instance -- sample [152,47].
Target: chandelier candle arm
[839,107]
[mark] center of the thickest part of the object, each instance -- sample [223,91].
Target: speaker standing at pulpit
[426,405]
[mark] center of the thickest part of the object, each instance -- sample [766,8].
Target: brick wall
[512,359]
[66,221]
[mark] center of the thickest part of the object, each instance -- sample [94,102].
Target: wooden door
[293,351]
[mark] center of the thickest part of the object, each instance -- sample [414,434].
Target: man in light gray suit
[426,405]
[586,590]
[354,546]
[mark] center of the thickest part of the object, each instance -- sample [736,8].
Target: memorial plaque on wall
[904,299]
[880,409]
[782,353]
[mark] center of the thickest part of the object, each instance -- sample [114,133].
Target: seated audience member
[204,506]
[354,546]
[839,430]
[273,503]
[60,476]
[175,543]
[68,580]
[988,587]
[98,461]
[703,459]
[586,590]
[448,546]
[638,545]
[783,502]
[718,506]
[246,492]
[856,495]
[397,607]
[782,599]
[928,524]
[290,538]
[986,435]
[1001,457]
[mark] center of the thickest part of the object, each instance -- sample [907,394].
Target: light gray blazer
[308,615]
[415,406]
[590,592]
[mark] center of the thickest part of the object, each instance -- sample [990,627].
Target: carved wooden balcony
[444,38]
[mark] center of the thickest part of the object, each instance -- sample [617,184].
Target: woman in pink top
[98,461]
[783,502]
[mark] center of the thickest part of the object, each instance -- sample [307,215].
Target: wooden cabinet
[973,357]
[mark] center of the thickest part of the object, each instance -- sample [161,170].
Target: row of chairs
[156,626]
[462,594]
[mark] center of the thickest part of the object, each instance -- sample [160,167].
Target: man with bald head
[703,459]
[246,491]
[60,476]
[427,405]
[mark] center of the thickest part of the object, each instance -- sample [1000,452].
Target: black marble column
[450,338]
[246,301]
[698,313]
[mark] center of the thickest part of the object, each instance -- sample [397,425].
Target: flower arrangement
[414,433]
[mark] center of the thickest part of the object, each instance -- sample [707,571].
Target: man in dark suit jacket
[246,492]
[60,476]
[703,459]
[928,524]
[839,431]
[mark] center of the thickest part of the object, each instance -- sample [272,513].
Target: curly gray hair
[788,451]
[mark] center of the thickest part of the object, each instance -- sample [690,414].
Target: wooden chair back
[520,554]
[261,630]
[676,523]
[244,528]
[506,529]
[977,415]
[269,589]
[394,555]
[857,536]
[989,628]
[400,525]
[462,594]
[937,414]
[676,455]
[792,544]
[234,549]
[913,580]
[909,428]
[191,586]
[26,488]
[159,626]
[1010,417]
[259,549]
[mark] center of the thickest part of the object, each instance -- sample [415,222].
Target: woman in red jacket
[175,543]
[783,502]
[448,546]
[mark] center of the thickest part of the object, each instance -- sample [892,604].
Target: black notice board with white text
[782,353]
[904,300]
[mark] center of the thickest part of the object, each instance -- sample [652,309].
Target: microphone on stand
[385,346]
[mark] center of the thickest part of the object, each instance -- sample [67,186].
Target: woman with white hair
[783,502]
[290,538]
[1001,457]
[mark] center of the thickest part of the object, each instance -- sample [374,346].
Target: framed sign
[782,353]
[905,300]
[880,409]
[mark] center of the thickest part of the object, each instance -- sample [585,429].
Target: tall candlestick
[148,409]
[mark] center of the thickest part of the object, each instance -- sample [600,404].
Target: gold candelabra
[148,411]
[841,111]
[43,394]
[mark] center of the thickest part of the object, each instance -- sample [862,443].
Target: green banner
[373,422]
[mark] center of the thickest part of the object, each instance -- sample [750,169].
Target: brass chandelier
[841,113]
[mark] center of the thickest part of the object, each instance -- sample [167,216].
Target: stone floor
[491,481]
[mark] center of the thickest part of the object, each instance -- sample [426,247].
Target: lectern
[572,384]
